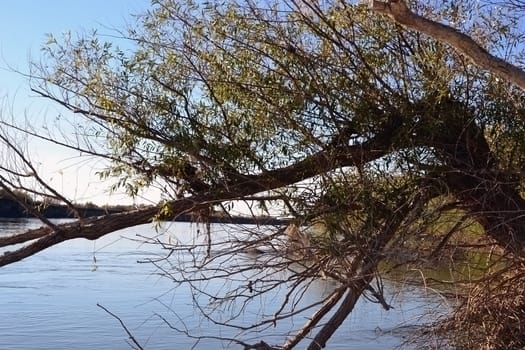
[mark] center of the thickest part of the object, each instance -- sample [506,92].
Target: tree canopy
[327,109]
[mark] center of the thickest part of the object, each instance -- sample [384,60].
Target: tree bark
[401,14]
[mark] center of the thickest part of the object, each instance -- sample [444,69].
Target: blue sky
[23,28]
[24,24]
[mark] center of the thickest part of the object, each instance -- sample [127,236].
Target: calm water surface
[49,301]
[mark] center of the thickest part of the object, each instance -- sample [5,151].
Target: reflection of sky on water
[49,300]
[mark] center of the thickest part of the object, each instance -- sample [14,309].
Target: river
[49,301]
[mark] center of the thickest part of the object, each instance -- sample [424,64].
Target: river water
[49,301]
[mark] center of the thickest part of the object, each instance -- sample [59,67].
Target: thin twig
[123,326]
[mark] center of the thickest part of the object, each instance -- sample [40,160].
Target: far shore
[11,209]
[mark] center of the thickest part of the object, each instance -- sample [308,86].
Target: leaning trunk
[487,192]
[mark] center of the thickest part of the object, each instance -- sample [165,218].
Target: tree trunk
[496,205]
[488,193]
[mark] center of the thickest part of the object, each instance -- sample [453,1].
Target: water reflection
[49,300]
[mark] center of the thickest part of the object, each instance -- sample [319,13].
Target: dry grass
[492,315]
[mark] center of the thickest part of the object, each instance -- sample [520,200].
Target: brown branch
[367,265]
[379,297]
[238,187]
[330,302]
[448,235]
[89,229]
[401,14]
[346,307]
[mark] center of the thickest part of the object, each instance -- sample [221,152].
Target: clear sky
[23,28]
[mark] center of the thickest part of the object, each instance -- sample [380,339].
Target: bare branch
[137,344]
